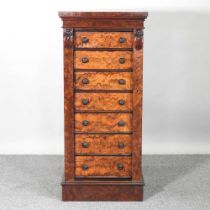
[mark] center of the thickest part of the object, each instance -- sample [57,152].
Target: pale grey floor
[178,182]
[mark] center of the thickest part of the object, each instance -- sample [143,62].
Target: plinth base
[102,191]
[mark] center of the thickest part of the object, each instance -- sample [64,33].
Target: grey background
[177,83]
[172,182]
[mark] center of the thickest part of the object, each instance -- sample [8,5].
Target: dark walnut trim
[68,104]
[102,24]
[103,20]
[102,191]
[137,109]
[107,15]
[104,30]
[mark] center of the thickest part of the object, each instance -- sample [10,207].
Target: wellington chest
[103,65]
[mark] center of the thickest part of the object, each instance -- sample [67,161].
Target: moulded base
[102,190]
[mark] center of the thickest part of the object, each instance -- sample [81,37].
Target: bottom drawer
[98,166]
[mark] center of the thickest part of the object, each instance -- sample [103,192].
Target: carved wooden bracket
[138,41]
[68,38]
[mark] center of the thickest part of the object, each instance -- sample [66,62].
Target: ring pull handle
[121,123]
[122,40]
[120,166]
[121,145]
[85,40]
[121,81]
[85,60]
[85,101]
[85,144]
[85,81]
[121,60]
[85,167]
[85,122]
[121,102]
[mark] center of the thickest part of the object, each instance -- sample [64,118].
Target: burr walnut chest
[103,65]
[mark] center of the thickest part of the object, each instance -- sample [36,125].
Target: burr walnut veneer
[103,64]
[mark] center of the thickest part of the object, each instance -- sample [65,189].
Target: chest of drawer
[103,101]
[103,166]
[102,59]
[97,122]
[103,80]
[103,144]
[103,39]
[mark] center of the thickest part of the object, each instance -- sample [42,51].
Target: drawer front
[104,144]
[103,101]
[103,166]
[102,60]
[103,81]
[112,122]
[103,39]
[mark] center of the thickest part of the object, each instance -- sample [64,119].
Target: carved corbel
[138,40]
[68,38]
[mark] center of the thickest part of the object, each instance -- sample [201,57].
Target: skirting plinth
[102,191]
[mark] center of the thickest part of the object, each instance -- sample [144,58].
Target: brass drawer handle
[85,60]
[85,122]
[122,40]
[121,145]
[85,40]
[85,144]
[120,166]
[122,60]
[121,123]
[85,101]
[85,167]
[121,102]
[121,81]
[85,81]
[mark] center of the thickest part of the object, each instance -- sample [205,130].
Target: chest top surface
[103,19]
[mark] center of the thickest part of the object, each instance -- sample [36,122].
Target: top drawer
[103,39]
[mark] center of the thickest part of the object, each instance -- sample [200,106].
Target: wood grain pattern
[103,122]
[104,39]
[137,113]
[103,101]
[68,106]
[102,144]
[103,24]
[103,80]
[103,166]
[102,59]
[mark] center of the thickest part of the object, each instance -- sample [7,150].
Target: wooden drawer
[102,60]
[103,81]
[103,101]
[108,166]
[103,144]
[103,39]
[95,122]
